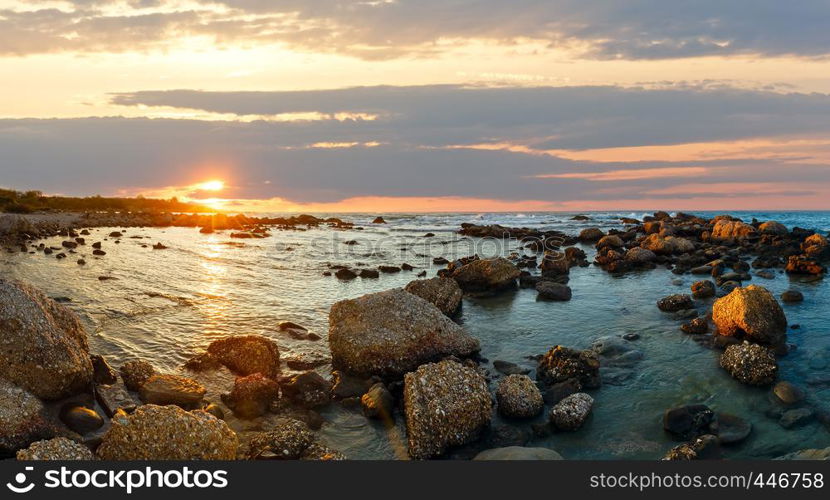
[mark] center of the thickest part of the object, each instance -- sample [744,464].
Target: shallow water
[166,305]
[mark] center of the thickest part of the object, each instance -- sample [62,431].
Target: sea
[164,306]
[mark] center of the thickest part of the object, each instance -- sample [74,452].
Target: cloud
[601,29]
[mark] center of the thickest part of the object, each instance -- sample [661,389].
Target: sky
[420,105]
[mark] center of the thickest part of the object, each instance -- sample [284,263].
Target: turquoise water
[167,305]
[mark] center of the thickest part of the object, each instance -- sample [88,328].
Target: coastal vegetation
[25,202]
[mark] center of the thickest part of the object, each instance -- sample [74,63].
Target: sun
[214,185]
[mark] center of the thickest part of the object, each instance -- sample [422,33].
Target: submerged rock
[43,346]
[393,332]
[731,429]
[247,354]
[22,419]
[751,364]
[562,363]
[59,448]
[289,439]
[486,275]
[168,433]
[792,297]
[687,422]
[570,413]
[674,303]
[443,293]
[446,404]
[702,448]
[703,289]
[751,313]
[697,326]
[518,397]
[787,393]
[518,453]
[308,389]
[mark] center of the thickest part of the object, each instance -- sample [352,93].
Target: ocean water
[166,305]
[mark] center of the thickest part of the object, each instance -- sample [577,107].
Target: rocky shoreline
[400,354]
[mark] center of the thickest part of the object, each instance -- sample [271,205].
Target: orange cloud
[630,174]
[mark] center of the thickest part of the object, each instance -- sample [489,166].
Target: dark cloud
[634,29]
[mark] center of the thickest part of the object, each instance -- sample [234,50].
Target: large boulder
[22,419]
[667,245]
[168,433]
[251,396]
[43,346]
[443,293]
[518,397]
[725,230]
[752,364]
[639,255]
[774,228]
[590,235]
[247,354]
[562,363]
[446,404]
[800,264]
[816,246]
[570,413]
[486,275]
[550,290]
[391,333]
[751,313]
[59,448]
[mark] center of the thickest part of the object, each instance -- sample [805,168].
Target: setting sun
[214,185]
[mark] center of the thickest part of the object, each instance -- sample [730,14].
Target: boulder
[518,453]
[43,346]
[172,390]
[102,372]
[792,297]
[610,241]
[751,313]
[23,419]
[308,389]
[446,404]
[774,228]
[639,255]
[731,429]
[81,419]
[674,303]
[378,402]
[787,393]
[725,230]
[486,275]
[518,397]
[391,333]
[289,439]
[798,417]
[135,372]
[555,264]
[345,386]
[667,245]
[570,413]
[752,364]
[247,354]
[550,290]
[59,448]
[705,447]
[687,422]
[348,274]
[561,364]
[168,433]
[590,235]
[703,289]
[251,395]
[443,293]
[799,264]
[697,326]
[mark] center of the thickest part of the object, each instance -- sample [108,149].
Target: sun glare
[211,186]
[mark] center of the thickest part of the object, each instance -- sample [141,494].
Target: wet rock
[309,390]
[703,289]
[346,386]
[378,402]
[114,398]
[172,390]
[168,433]
[557,392]
[639,255]
[251,395]
[135,372]
[81,419]
[43,346]
[792,297]
[59,448]
[378,220]
[446,404]
[751,364]
[555,264]
[102,373]
[562,363]
[389,269]
[697,326]
[214,410]
[590,235]
[725,230]
[202,362]
[365,273]
[247,354]
[687,422]
[751,313]
[731,429]
[797,264]
[787,393]
[391,333]
[289,439]
[486,275]
[570,413]
[508,368]
[443,293]
[22,419]
[346,274]
[704,447]
[549,290]
[610,241]
[674,303]
[774,228]
[617,359]
[518,453]
[791,419]
[668,245]
[518,397]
